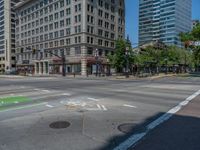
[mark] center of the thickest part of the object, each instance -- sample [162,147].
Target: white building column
[40,68]
[35,69]
[83,61]
[44,68]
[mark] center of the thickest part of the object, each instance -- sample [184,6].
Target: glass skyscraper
[163,20]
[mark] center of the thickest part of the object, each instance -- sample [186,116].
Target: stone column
[40,68]
[83,61]
[44,68]
[35,68]
[47,67]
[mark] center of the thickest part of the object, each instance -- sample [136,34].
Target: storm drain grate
[59,125]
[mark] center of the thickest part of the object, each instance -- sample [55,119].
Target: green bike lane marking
[9,103]
[5,101]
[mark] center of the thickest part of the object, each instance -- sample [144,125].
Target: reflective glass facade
[163,20]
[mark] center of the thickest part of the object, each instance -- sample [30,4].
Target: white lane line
[36,89]
[131,106]
[23,107]
[93,99]
[47,91]
[104,108]
[50,106]
[66,94]
[133,139]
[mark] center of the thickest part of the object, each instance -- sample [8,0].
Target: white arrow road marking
[93,99]
[131,106]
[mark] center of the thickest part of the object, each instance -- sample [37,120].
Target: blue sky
[132,17]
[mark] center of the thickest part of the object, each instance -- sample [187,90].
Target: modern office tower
[7,36]
[164,20]
[84,31]
[194,23]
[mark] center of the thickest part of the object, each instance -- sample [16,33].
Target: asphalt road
[102,114]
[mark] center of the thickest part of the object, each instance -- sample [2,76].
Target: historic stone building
[83,31]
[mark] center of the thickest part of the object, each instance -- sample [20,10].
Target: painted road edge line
[23,107]
[133,139]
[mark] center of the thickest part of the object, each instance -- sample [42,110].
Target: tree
[118,59]
[194,35]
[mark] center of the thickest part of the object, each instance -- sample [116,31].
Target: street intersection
[98,114]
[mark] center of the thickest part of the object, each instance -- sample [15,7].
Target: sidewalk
[91,77]
[181,132]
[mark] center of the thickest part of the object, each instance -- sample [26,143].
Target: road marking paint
[131,106]
[50,106]
[36,89]
[93,99]
[23,107]
[133,139]
[98,106]
[104,108]
[66,94]
[47,91]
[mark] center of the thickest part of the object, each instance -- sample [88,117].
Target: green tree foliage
[194,35]
[172,54]
[118,59]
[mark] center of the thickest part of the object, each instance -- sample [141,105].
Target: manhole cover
[130,128]
[59,125]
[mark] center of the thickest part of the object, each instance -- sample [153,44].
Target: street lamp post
[127,62]
[96,59]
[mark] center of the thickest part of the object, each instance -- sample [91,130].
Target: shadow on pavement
[177,133]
